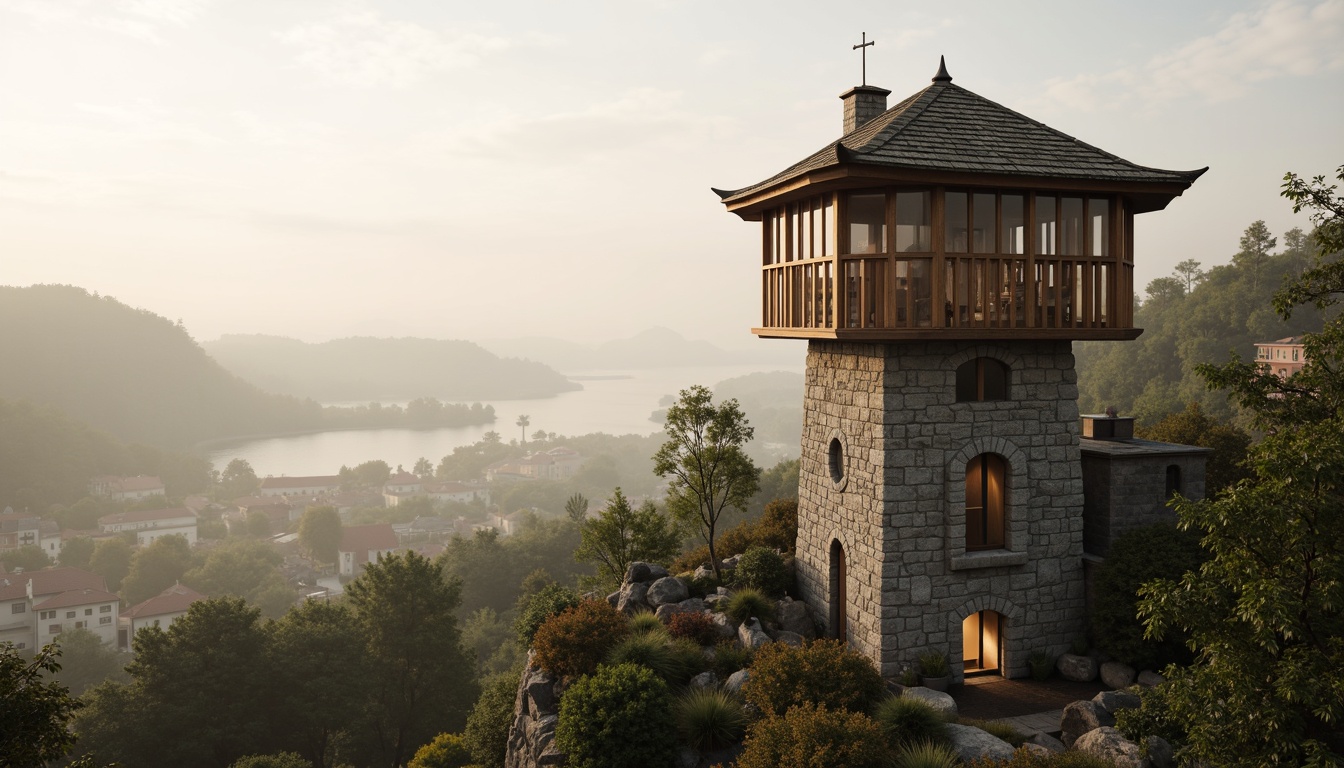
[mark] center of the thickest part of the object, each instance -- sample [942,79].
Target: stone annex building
[940,258]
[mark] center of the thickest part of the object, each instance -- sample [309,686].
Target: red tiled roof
[48,581]
[77,597]
[360,539]
[301,482]
[146,515]
[403,478]
[174,599]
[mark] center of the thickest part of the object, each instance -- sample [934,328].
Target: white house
[364,544]
[454,491]
[152,524]
[38,605]
[19,529]
[159,611]
[126,488]
[299,486]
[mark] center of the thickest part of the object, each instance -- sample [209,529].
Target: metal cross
[863,47]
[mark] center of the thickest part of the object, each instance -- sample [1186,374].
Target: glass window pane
[982,223]
[913,230]
[1045,225]
[867,223]
[1100,213]
[1071,239]
[816,229]
[804,231]
[828,224]
[954,218]
[1014,237]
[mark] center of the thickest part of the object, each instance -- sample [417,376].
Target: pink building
[1284,357]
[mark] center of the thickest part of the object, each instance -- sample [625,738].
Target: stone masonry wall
[1124,492]
[900,510]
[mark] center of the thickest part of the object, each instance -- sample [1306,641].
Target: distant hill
[363,369]
[653,348]
[128,372]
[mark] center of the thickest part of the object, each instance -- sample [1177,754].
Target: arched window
[1173,480]
[982,379]
[985,519]
[839,593]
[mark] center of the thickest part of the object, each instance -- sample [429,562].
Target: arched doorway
[839,620]
[982,642]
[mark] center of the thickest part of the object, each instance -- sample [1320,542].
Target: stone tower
[940,257]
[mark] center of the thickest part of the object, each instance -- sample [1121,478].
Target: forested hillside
[1194,317]
[48,458]
[128,371]
[383,369]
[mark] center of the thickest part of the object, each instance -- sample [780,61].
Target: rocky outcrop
[751,635]
[1114,701]
[940,701]
[1150,679]
[1112,746]
[535,714]
[668,589]
[971,743]
[1116,675]
[795,616]
[1081,717]
[1080,669]
[1045,741]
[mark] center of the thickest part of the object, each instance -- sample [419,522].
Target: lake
[618,405]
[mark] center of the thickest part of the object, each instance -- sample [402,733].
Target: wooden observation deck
[950,217]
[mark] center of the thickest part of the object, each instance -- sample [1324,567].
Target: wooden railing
[952,292]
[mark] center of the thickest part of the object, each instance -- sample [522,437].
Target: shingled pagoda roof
[948,128]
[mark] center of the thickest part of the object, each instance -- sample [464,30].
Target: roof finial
[942,76]
[862,48]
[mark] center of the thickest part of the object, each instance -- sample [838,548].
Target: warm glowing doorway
[980,635]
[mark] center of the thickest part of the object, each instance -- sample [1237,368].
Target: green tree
[523,422]
[77,553]
[322,680]
[622,535]
[423,469]
[487,731]
[111,559]
[1256,243]
[619,716]
[423,676]
[243,568]
[258,524]
[447,750]
[278,760]
[35,710]
[1189,273]
[156,567]
[87,661]
[576,508]
[320,533]
[370,474]
[1193,427]
[1165,289]
[29,558]
[1264,613]
[237,479]
[703,458]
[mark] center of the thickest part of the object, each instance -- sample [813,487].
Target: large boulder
[723,626]
[1080,669]
[1150,679]
[634,598]
[1081,717]
[1116,675]
[636,573]
[945,704]
[1112,746]
[1045,741]
[794,616]
[751,635]
[614,598]
[668,589]
[1160,753]
[971,743]
[1114,701]
[532,736]
[704,680]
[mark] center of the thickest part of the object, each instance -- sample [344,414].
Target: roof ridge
[909,110]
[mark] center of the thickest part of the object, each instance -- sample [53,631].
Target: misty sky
[477,170]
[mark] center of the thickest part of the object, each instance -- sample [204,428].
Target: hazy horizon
[322,170]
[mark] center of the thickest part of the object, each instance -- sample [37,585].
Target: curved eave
[852,173]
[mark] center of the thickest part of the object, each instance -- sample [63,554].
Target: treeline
[1192,317]
[365,368]
[421,413]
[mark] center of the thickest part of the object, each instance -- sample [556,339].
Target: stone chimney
[863,103]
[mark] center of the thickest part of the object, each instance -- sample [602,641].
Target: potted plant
[1042,665]
[933,670]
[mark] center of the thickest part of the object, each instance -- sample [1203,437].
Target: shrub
[814,737]
[1144,554]
[644,622]
[692,658]
[933,664]
[926,755]
[550,600]
[278,760]
[575,642]
[447,750]
[702,586]
[1002,731]
[1023,758]
[823,672]
[487,731]
[746,603]
[763,569]
[710,719]
[729,657]
[778,526]
[617,717]
[652,651]
[696,627]
[910,721]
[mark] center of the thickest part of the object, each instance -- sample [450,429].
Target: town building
[299,486]
[364,544]
[20,529]
[1283,357]
[37,606]
[159,611]
[151,524]
[940,258]
[558,463]
[126,488]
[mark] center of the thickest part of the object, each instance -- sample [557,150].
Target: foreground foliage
[808,736]
[823,673]
[35,710]
[619,716]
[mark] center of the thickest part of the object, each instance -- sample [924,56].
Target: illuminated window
[985,523]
